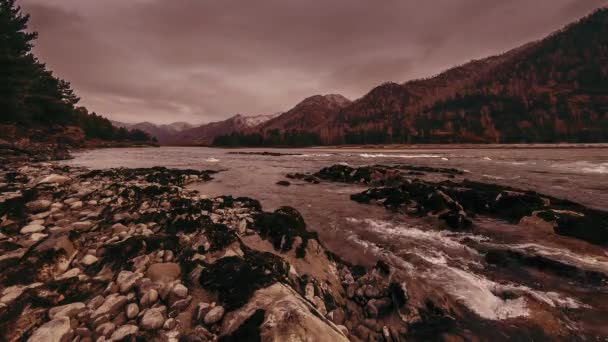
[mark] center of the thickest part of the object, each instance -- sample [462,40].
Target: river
[364,233]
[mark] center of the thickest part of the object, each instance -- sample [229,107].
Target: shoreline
[99,239]
[398,147]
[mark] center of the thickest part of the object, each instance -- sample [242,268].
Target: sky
[205,60]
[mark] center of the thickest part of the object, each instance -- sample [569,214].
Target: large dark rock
[282,227]
[235,279]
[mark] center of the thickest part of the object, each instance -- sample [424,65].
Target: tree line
[32,96]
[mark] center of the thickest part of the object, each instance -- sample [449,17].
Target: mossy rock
[235,279]
[282,227]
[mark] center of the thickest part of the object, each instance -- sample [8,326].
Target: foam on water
[600,168]
[595,263]
[314,155]
[482,295]
[453,273]
[583,167]
[437,237]
[406,156]
[212,160]
[476,292]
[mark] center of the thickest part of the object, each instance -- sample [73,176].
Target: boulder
[56,330]
[284,315]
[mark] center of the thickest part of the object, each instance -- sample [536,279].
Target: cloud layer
[204,60]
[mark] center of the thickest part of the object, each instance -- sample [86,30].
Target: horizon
[168,85]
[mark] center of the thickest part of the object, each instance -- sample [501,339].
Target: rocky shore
[131,254]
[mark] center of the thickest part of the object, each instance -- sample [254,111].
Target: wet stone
[152,319]
[38,206]
[214,315]
[56,330]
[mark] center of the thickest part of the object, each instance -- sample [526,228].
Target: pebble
[153,319]
[38,206]
[38,236]
[112,305]
[68,310]
[214,315]
[132,310]
[169,324]
[126,280]
[76,205]
[124,331]
[88,260]
[55,178]
[32,228]
[180,291]
[149,298]
[82,225]
[106,329]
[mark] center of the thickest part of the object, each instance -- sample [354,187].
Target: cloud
[203,60]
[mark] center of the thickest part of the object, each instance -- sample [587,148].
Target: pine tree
[17,64]
[31,95]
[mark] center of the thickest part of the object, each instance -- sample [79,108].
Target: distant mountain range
[552,90]
[163,133]
[182,133]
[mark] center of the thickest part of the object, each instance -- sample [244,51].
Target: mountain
[162,133]
[309,114]
[296,127]
[552,90]
[205,134]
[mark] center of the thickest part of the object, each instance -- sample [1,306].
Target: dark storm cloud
[197,60]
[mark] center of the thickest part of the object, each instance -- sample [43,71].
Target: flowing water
[364,233]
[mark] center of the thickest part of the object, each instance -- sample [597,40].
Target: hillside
[296,127]
[309,114]
[552,90]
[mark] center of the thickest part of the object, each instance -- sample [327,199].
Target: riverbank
[130,253]
[84,250]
